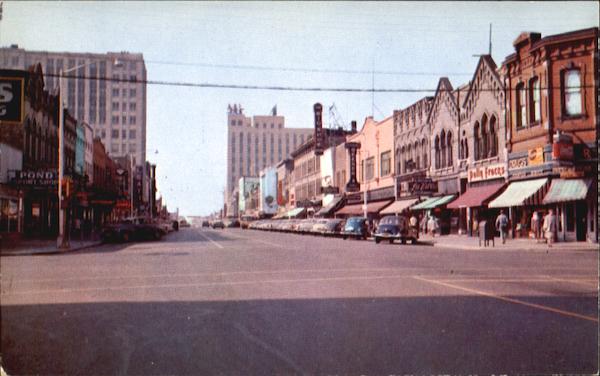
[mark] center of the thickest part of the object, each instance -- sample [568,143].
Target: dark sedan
[355,227]
[391,228]
[132,229]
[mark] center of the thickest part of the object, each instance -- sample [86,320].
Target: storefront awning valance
[357,209]
[564,190]
[433,202]
[518,193]
[476,196]
[294,213]
[399,206]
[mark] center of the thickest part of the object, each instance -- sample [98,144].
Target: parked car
[330,227]
[246,220]
[205,224]
[305,227]
[217,224]
[355,227]
[231,223]
[184,223]
[392,228]
[131,229]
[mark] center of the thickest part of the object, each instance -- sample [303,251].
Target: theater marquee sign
[495,171]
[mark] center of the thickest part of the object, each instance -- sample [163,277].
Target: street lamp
[61,241]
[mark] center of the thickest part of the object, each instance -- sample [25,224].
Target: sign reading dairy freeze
[495,171]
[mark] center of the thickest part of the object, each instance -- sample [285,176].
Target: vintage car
[355,227]
[132,229]
[393,227]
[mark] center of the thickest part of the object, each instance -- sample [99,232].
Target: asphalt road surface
[247,302]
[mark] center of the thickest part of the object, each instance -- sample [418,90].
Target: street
[233,301]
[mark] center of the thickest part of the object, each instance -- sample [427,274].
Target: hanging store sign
[353,185]
[319,147]
[562,151]
[535,156]
[489,172]
[12,99]
[415,186]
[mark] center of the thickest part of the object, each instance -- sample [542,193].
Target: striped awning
[518,193]
[433,202]
[476,196]
[399,206]
[564,190]
[357,209]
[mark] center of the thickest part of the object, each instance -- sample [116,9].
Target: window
[103,133]
[443,149]
[369,168]
[115,120]
[123,119]
[123,134]
[437,152]
[132,93]
[484,149]
[132,106]
[521,106]
[233,122]
[115,92]
[115,106]
[476,140]
[450,160]
[132,120]
[132,148]
[114,148]
[133,78]
[114,133]
[572,92]
[493,143]
[534,98]
[386,163]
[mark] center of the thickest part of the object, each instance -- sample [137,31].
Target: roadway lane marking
[511,280]
[265,346]
[209,239]
[204,284]
[510,300]
[585,282]
[241,272]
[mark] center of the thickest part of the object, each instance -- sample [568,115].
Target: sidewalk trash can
[486,233]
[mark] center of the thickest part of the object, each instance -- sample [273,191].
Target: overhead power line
[274,87]
[308,70]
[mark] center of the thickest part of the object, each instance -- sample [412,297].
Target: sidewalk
[454,241]
[42,247]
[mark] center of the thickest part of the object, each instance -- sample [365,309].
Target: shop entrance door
[581,212]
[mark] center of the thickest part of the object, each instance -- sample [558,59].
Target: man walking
[549,227]
[501,225]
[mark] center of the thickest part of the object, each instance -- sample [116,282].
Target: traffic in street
[234,301]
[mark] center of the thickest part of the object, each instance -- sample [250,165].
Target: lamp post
[62,242]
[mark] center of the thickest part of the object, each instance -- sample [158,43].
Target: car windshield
[390,220]
[354,221]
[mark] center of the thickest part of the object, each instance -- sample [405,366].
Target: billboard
[246,187]
[268,191]
[12,97]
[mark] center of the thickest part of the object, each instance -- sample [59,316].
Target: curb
[515,249]
[49,252]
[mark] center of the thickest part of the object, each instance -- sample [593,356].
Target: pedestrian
[431,226]
[502,225]
[549,227]
[535,225]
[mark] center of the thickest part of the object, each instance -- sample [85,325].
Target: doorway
[581,213]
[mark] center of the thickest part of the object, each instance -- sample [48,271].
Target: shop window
[572,92]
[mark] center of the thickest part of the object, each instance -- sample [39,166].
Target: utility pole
[490,48]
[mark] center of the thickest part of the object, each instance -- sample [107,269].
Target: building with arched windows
[481,146]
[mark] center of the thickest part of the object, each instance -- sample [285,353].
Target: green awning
[517,193]
[433,202]
[563,190]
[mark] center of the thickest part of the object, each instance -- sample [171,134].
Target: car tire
[391,241]
[344,237]
[377,240]
[403,240]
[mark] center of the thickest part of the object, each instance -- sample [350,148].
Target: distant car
[175,225]
[217,224]
[246,220]
[184,223]
[232,223]
[393,228]
[355,227]
[205,224]
[329,227]
[131,229]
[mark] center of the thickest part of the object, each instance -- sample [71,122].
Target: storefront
[437,207]
[372,203]
[484,184]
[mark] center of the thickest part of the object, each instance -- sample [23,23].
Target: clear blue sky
[186,128]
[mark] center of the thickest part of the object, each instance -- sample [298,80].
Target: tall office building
[113,105]
[257,142]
